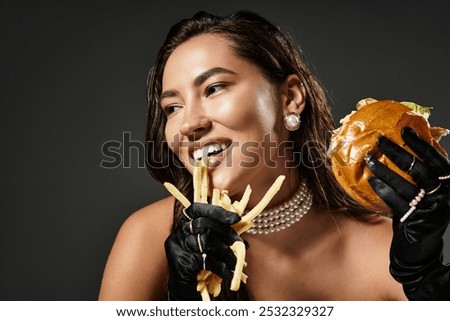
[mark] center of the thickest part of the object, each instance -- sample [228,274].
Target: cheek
[267,112]
[251,109]
[265,116]
[172,137]
[267,107]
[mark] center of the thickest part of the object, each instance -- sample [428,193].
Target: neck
[285,214]
[263,183]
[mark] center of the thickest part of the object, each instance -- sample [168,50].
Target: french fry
[242,204]
[204,293]
[265,200]
[196,177]
[244,277]
[208,282]
[246,222]
[204,180]
[238,249]
[225,201]
[214,285]
[215,197]
[177,194]
[202,284]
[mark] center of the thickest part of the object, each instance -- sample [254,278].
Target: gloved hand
[201,240]
[421,214]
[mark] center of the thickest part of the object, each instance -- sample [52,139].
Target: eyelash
[210,89]
[169,109]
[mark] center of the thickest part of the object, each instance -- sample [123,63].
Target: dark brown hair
[265,45]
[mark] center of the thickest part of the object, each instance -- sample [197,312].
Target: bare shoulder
[366,243]
[375,230]
[158,216]
[136,267]
[368,238]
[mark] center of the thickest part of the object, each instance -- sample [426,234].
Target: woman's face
[221,105]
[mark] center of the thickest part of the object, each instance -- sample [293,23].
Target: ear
[293,95]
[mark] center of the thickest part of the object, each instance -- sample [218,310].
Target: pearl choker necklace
[284,215]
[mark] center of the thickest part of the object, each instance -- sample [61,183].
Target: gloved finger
[194,243]
[204,225]
[214,243]
[206,243]
[181,262]
[439,164]
[212,211]
[396,182]
[229,239]
[219,262]
[408,163]
[389,196]
[226,257]
[172,245]
[177,236]
[219,267]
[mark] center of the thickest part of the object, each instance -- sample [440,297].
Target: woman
[236,90]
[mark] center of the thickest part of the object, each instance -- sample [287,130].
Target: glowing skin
[211,95]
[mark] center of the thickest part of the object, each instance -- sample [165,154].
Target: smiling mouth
[209,150]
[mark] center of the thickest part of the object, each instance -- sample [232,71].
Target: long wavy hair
[259,41]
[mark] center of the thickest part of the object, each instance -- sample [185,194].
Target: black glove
[416,249]
[211,226]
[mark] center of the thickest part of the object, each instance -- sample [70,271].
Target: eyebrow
[200,79]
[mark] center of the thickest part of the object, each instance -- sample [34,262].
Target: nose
[195,123]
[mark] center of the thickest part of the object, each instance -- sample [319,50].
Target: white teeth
[198,154]
[214,148]
[208,150]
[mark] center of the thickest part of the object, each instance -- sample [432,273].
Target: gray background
[73,77]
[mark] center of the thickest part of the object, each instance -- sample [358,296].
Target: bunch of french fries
[208,282]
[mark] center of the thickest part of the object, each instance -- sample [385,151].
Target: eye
[214,88]
[170,109]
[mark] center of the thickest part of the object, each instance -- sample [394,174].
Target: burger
[357,138]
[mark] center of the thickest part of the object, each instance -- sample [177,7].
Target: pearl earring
[292,121]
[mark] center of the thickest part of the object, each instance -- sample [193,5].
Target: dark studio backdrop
[73,75]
